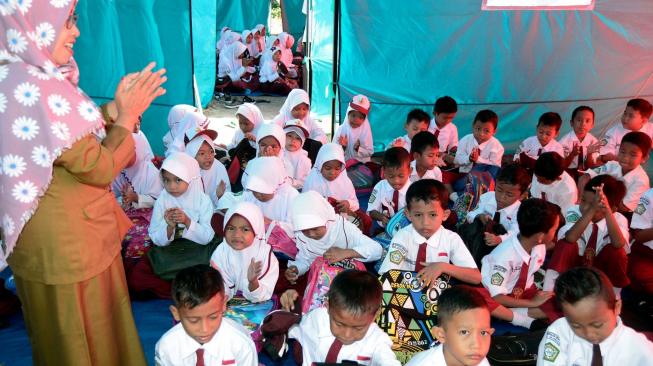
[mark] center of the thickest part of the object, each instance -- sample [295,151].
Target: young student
[634,119]
[214,175]
[463,330]
[552,183]
[633,151]
[328,178]
[480,150]
[235,64]
[442,127]
[581,148]
[272,77]
[244,258]
[640,261]
[425,246]
[182,211]
[416,121]
[355,133]
[271,141]
[298,106]
[175,116]
[424,150]
[389,195]
[250,119]
[202,335]
[248,41]
[319,231]
[345,328]
[286,42]
[508,271]
[259,36]
[191,120]
[591,332]
[297,158]
[595,235]
[548,128]
[224,32]
[503,203]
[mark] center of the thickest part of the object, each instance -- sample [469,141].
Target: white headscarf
[215,174]
[191,120]
[223,36]
[261,40]
[362,133]
[187,169]
[341,188]
[254,115]
[274,130]
[311,210]
[263,175]
[141,142]
[295,98]
[286,52]
[229,60]
[142,175]
[268,52]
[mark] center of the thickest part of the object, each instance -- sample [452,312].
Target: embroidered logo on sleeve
[551,352]
[372,196]
[640,209]
[396,257]
[604,141]
[572,217]
[496,279]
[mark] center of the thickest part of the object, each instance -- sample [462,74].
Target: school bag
[283,246]
[476,183]
[320,276]
[409,311]
[515,349]
[137,241]
[361,176]
[472,236]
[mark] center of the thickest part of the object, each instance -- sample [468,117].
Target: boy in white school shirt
[548,128]
[581,148]
[442,127]
[552,183]
[463,330]
[633,151]
[203,336]
[591,332]
[425,246]
[344,330]
[389,195]
[416,121]
[424,151]
[635,118]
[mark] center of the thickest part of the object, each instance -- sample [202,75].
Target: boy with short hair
[442,127]
[552,183]
[464,330]
[581,148]
[591,332]
[203,336]
[548,128]
[502,204]
[389,195]
[424,151]
[635,118]
[425,246]
[416,121]
[345,330]
[480,150]
[595,235]
[508,271]
[633,151]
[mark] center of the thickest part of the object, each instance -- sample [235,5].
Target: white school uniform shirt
[636,181]
[363,134]
[531,146]
[340,188]
[443,246]
[487,205]
[434,173]
[491,152]
[211,177]
[500,269]
[643,214]
[612,140]
[231,345]
[435,357]
[381,197]
[572,215]
[269,72]
[563,192]
[299,165]
[560,346]
[570,139]
[314,334]
[406,142]
[448,137]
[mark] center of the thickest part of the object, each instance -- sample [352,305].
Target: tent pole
[336,52]
[192,56]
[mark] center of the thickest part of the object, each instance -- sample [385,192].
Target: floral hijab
[42,111]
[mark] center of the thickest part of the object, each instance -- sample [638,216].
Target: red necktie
[581,160]
[200,357]
[332,355]
[395,201]
[544,196]
[497,217]
[520,286]
[539,152]
[597,358]
[421,257]
[590,249]
[436,133]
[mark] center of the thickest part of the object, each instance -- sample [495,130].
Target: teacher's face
[63,46]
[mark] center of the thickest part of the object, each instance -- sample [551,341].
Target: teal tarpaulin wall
[293,17]
[320,56]
[518,63]
[242,14]
[122,36]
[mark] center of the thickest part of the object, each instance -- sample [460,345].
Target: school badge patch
[396,257]
[372,197]
[603,142]
[551,352]
[496,279]
[572,217]
[640,209]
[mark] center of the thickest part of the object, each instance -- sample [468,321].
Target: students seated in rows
[552,183]
[389,195]
[416,121]
[425,246]
[581,148]
[424,150]
[634,119]
[548,128]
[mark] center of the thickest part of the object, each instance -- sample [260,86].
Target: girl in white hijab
[355,134]
[223,36]
[286,42]
[298,106]
[271,141]
[296,157]
[234,65]
[175,116]
[191,120]
[259,36]
[329,178]
[268,189]
[214,174]
[250,119]
[182,210]
[319,231]
[244,258]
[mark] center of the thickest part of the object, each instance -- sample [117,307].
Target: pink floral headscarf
[42,111]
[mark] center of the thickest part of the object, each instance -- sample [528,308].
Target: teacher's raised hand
[135,93]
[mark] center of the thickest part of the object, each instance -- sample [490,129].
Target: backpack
[476,183]
[517,349]
[361,176]
[320,276]
[409,311]
[472,236]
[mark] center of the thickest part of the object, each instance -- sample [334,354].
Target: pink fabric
[42,110]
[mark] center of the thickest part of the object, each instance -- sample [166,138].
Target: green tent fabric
[293,17]
[320,55]
[241,14]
